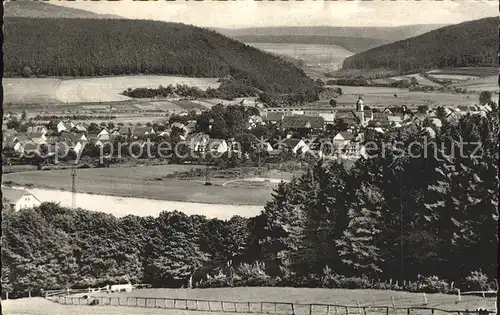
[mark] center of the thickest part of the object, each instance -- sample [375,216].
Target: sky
[251,13]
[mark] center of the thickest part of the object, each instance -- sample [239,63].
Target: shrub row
[255,275]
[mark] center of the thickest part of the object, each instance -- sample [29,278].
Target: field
[87,90]
[40,306]
[140,182]
[482,84]
[381,97]
[315,295]
[471,71]
[311,54]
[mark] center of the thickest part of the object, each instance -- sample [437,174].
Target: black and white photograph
[187,157]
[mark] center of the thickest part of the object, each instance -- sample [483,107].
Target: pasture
[40,306]
[311,54]
[89,90]
[140,182]
[364,297]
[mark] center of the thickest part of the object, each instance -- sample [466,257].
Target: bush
[477,281]
[431,284]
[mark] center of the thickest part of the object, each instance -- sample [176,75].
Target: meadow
[381,97]
[40,306]
[88,90]
[316,295]
[311,54]
[141,182]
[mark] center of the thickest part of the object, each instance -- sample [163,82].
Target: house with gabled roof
[20,199]
[65,126]
[296,146]
[103,134]
[217,145]
[80,128]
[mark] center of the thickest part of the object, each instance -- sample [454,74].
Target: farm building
[19,199]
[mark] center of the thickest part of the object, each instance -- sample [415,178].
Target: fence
[274,308]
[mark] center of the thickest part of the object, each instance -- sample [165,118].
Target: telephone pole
[73,188]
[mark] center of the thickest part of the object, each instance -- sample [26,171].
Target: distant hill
[353,44]
[391,34]
[42,9]
[90,47]
[468,44]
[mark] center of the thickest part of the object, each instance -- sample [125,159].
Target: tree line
[427,218]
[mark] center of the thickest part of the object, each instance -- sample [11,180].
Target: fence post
[261,306]
[175,303]
[336,308]
[293,309]
[209,306]
[187,305]
[374,304]
[459,295]
[408,311]
[110,301]
[222,306]
[29,294]
[387,310]
[67,290]
[275,308]
[235,307]
[390,283]
[249,309]
[7,295]
[393,304]
[328,310]
[425,298]
[347,310]
[310,309]
[359,308]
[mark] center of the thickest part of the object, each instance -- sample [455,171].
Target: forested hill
[354,44]
[469,44]
[85,47]
[42,9]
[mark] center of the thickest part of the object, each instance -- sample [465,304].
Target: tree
[358,246]
[333,103]
[338,91]
[23,115]
[27,72]
[413,81]
[485,97]
[422,109]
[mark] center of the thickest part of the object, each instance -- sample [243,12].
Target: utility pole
[73,188]
[401,224]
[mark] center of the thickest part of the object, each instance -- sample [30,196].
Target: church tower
[360,111]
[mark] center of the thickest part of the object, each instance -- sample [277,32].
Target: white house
[103,134]
[20,199]
[342,139]
[217,145]
[65,126]
[296,145]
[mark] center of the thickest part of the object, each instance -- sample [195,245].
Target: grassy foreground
[40,306]
[317,295]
